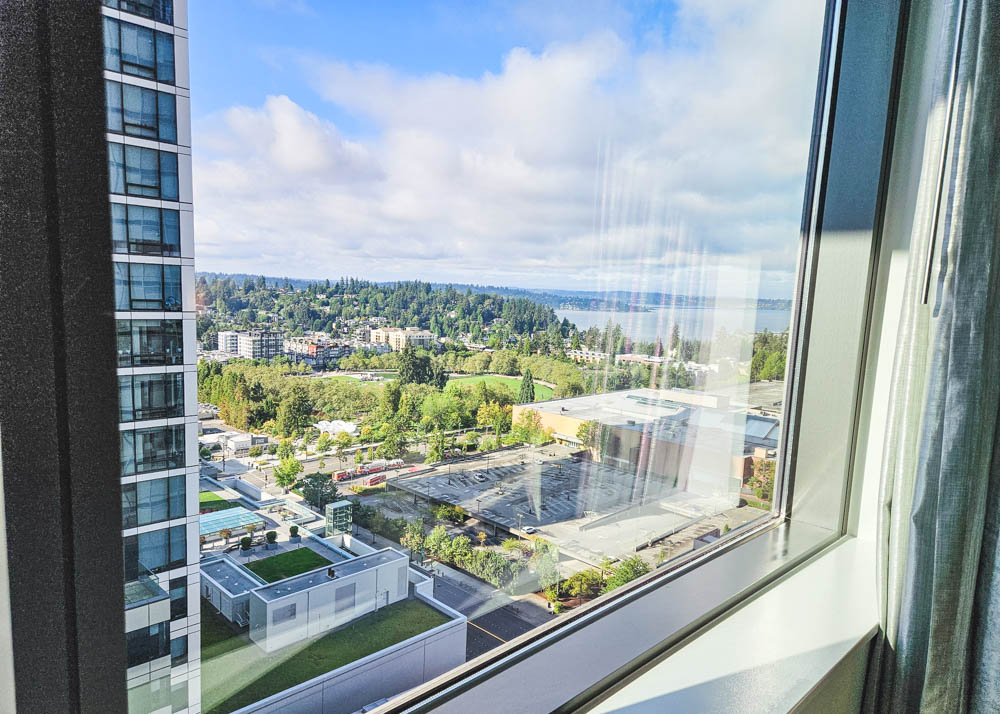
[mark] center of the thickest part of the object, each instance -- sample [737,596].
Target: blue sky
[598,145]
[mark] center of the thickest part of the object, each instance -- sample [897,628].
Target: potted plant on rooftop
[226,533]
[272,540]
[293,534]
[245,543]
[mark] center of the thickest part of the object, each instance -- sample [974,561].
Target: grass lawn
[542,392]
[284,565]
[210,501]
[243,673]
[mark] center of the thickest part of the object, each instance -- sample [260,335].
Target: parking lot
[591,510]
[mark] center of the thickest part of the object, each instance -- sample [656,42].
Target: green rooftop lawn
[236,672]
[287,564]
[542,393]
[211,501]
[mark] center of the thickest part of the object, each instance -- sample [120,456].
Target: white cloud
[588,164]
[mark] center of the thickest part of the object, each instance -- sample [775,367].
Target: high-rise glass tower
[149,161]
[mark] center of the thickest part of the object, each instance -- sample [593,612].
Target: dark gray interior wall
[58,425]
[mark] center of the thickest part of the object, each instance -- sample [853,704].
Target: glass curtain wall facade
[149,159]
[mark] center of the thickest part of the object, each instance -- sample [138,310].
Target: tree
[675,336]
[493,415]
[437,542]
[205,453]
[393,444]
[527,393]
[413,368]
[359,456]
[585,583]
[286,472]
[343,441]
[413,536]
[318,489]
[324,443]
[255,451]
[628,569]
[481,537]
[227,534]
[460,549]
[294,412]
[589,432]
[250,528]
[763,478]
[285,449]
[438,377]
[471,441]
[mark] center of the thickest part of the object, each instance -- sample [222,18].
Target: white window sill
[774,652]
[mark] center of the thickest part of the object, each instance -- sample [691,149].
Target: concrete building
[679,439]
[149,161]
[398,337]
[317,353]
[229,341]
[588,356]
[260,344]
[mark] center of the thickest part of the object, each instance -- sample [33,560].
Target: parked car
[530,529]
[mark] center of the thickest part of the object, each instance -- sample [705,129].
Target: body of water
[695,323]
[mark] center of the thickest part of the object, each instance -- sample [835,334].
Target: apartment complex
[260,344]
[149,162]
[229,341]
[318,353]
[398,337]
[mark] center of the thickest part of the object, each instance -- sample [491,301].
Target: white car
[530,529]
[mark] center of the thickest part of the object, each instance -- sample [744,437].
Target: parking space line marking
[485,630]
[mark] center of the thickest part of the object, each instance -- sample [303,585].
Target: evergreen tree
[527,393]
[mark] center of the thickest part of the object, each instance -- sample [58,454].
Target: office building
[149,162]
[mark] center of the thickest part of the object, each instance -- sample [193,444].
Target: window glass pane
[165,57]
[168,117]
[128,452]
[171,232]
[125,398]
[153,501]
[137,51]
[178,500]
[112,45]
[139,106]
[119,228]
[116,168]
[122,301]
[178,650]
[124,329]
[113,101]
[178,545]
[128,506]
[144,229]
[168,175]
[142,171]
[172,287]
[173,342]
[147,286]
[178,597]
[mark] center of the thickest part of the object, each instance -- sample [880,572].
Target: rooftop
[231,518]
[639,405]
[298,583]
[230,576]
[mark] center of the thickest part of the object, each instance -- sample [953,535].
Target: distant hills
[615,300]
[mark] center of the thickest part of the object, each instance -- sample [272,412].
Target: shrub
[245,542]
[271,536]
[293,531]
[556,608]
[255,451]
[272,449]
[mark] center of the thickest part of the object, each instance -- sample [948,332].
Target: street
[485,631]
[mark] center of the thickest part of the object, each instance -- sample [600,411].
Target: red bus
[374,480]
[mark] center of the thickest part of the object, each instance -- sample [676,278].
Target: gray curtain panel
[939,573]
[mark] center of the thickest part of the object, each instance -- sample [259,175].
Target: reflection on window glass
[535,326]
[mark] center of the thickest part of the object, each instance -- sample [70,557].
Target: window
[145,230]
[154,551]
[147,643]
[138,111]
[155,449]
[158,10]
[178,597]
[150,343]
[153,501]
[151,396]
[138,171]
[283,614]
[178,650]
[147,286]
[139,51]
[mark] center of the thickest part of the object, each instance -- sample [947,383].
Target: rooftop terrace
[311,579]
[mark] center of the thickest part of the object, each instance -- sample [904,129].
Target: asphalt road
[486,631]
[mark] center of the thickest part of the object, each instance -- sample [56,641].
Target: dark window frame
[160,98]
[140,331]
[158,10]
[172,384]
[173,452]
[156,36]
[131,177]
[123,242]
[137,274]
[175,487]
